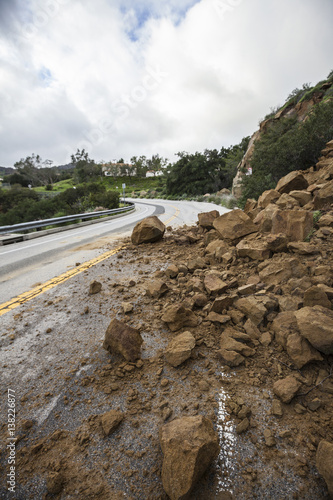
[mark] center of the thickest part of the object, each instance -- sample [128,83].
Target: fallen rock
[287,202]
[263,219]
[223,302]
[206,219]
[156,289]
[252,308]
[214,285]
[303,197]
[316,325]
[254,249]
[218,318]
[279,271]
[316,296]
[148,230]
[123,339]
[234,340]
[301,351]
[172,271]
[200,300]
[179,349]
[324,462]
[267,197]
[294,181]
[295,224]
[110,421]
[286,388]
[303,248]
[177,316]
[95,287]
[189,445]
[127,307]
[234,225]
[324,196]
[196,263]
[284,325]
[243,426]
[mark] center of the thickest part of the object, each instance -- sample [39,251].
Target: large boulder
[316,325]
[177,316]
[301,351]
[180,349]
[206,219]
[253,248]
[234,225]
[148,230]
[324,462]
[123,339]
[294,181]
[281,270]
[324,196]
[267,197]
[295,224]
[189,445]
[156,289]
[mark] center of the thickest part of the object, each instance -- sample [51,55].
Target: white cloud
[126,77]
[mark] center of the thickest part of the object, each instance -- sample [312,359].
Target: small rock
[156,289]
[127,307]
[286,388]
[315,404]
[277,409]
[95,287]
[172,271]
[269,438]
[243,426]
[110,421]
[180,349]
[123,339]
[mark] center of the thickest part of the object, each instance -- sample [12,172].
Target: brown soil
[64,380]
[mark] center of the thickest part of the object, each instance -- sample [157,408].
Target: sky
[123,78]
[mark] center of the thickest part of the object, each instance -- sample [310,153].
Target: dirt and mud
[52,356]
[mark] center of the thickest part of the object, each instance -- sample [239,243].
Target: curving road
[26,264]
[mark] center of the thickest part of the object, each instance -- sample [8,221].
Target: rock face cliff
[298,106]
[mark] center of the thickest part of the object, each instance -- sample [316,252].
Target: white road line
[63,236]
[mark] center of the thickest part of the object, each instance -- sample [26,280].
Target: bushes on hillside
[23,205]
[286,146]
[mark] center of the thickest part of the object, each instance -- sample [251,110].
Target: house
[118,169]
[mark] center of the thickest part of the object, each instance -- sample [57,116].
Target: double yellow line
[25,297]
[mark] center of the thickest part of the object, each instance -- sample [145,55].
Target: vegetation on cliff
[290,142]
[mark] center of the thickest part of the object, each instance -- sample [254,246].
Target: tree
[140,165]
[85,169]
[33,171]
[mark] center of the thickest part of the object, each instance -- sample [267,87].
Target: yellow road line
[25,297]
[174,216]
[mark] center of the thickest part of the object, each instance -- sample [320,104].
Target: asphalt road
[27,264]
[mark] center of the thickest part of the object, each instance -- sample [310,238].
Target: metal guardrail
[25,226]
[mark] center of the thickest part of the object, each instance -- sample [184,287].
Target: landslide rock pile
[264,278]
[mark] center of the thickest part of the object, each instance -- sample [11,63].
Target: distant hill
[6,171]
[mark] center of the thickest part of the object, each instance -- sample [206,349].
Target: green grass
[133,184]
[57,186]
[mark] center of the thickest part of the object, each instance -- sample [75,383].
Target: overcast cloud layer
[127,77]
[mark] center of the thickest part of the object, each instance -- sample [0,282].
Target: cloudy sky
[139,77]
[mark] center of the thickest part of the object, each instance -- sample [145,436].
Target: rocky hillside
[214,378]
[299,106]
